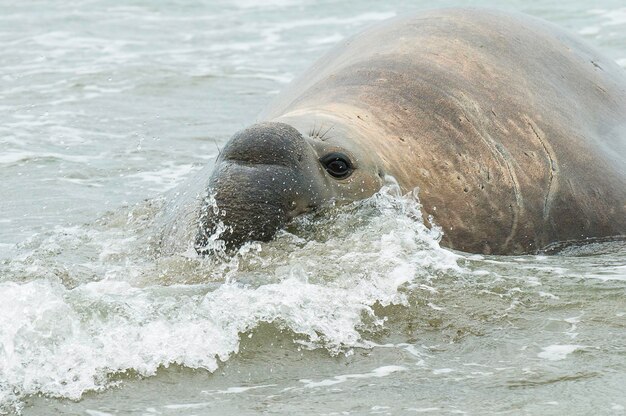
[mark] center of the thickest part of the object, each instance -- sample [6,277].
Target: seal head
[270,173]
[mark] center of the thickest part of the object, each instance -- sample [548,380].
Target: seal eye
[337,165]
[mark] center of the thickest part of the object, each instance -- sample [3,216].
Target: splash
[95,301]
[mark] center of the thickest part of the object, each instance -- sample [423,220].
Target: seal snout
[262,180]
[266,144]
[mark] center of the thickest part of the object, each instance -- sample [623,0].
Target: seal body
[513,130]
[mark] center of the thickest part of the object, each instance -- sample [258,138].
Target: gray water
[107,109]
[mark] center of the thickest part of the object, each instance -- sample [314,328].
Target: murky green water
[107,108]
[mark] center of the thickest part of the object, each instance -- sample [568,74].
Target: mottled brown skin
[513,130]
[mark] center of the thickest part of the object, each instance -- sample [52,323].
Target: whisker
[219,151]
[326,132]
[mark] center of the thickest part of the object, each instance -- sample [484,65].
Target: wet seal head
[270,173]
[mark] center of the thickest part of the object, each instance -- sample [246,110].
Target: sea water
[108,109]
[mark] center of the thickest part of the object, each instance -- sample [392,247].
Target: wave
[98,300]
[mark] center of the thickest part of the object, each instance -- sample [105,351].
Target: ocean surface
[109,109]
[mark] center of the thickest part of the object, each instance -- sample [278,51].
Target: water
[107,109]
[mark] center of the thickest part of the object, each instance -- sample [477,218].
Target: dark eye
[337,165]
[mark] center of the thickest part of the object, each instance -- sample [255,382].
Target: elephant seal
[513,130]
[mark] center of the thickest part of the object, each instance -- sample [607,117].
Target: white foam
[573,320]
[187,406]
[589,30]
[165,178]
[64,341]
[547,295]
[557,352]
[435,307]
[376,373]
[238,390]
[614,17]
[442,371]
[326,40]
[610,273]
[91,412]
[340,21]
[254,4]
